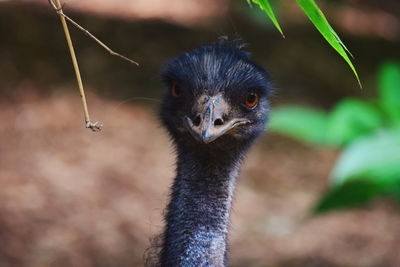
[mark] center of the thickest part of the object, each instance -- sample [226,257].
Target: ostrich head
[216,98]
[215,106]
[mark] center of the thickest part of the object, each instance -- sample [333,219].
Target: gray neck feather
[197,217]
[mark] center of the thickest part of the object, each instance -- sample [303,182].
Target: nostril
[218,122]
[197,120]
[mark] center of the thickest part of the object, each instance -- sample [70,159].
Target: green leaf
[316,16]
[350,194]
[306,124]
[352,119]
[367,168]
[266,6]
[389,94]
[375,157]
[394,191]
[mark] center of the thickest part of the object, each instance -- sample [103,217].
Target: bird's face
[215,94]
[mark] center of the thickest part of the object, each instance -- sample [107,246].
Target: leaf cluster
[318,19]
[368,132]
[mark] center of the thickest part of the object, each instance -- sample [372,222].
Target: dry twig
[58,9]
[96,126]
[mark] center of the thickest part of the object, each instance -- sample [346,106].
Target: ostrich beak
[209,123]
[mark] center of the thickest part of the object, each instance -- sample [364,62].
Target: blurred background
[70,197]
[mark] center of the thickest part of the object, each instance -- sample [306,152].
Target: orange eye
[252,100]
[176,91]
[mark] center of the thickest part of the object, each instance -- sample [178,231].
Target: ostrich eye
[251,100]
[176,91]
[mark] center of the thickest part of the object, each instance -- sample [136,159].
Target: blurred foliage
[367,131]
[319,20]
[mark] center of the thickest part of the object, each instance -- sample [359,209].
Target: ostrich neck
[198,213]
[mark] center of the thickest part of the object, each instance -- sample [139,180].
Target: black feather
[197,216]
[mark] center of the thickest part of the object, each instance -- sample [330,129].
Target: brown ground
[185,12]
[69,197]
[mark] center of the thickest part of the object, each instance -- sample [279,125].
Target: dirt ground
[70,197]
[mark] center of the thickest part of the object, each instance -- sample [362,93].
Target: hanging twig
[96,126]
[93,126]
[58,9]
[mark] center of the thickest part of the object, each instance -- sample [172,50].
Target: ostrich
[215,107]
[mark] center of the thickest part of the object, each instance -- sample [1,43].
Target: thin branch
[96,126]
[58,9]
